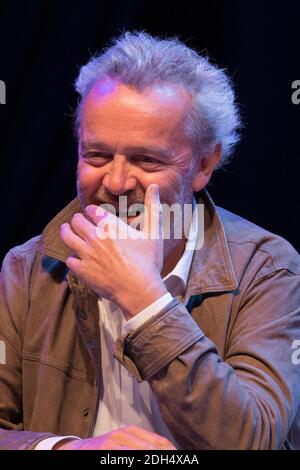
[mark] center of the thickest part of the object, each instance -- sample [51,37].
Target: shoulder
[20,259]
[26,250]
[30,246]
[243,235]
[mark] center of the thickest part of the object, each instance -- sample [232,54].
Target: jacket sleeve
[13,309]
[245,400]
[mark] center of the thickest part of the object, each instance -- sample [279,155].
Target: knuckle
[94,236]
[97,211]
[116,432]
[76,218]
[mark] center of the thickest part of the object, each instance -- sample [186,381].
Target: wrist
[138,298]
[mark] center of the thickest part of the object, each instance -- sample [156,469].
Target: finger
[159,441]
[83,227]
[71,240]
[107,224]
[74,264]
[153,212]
[121,437]
[96,213]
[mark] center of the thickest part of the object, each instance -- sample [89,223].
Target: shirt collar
[176,280]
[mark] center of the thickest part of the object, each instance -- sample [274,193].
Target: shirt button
[85,412]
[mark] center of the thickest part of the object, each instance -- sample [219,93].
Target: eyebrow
[130,150]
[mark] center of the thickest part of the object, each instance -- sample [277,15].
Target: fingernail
[154,188]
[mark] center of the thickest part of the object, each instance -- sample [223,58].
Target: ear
[205,168]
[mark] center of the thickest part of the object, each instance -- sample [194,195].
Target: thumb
[153,212]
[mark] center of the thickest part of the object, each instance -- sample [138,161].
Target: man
[137,341]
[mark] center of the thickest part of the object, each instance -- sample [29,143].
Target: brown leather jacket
[221,369]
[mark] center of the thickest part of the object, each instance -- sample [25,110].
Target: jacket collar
[212,267]
[211,270]
[50,243]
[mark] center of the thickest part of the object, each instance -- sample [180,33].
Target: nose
[118,179]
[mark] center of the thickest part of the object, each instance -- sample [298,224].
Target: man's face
[129,140]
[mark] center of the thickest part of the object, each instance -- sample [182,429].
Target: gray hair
[140,60]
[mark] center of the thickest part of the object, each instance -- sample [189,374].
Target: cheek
[171,181]
[168,182]
[88,177]
[176,186]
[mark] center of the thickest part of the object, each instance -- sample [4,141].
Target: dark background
[42,45]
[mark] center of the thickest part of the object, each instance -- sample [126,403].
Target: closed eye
[97,157]
[145,159]
[146,162]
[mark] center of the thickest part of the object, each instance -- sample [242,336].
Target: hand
[127,438]
[124,268]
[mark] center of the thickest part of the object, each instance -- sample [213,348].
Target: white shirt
[125,401]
